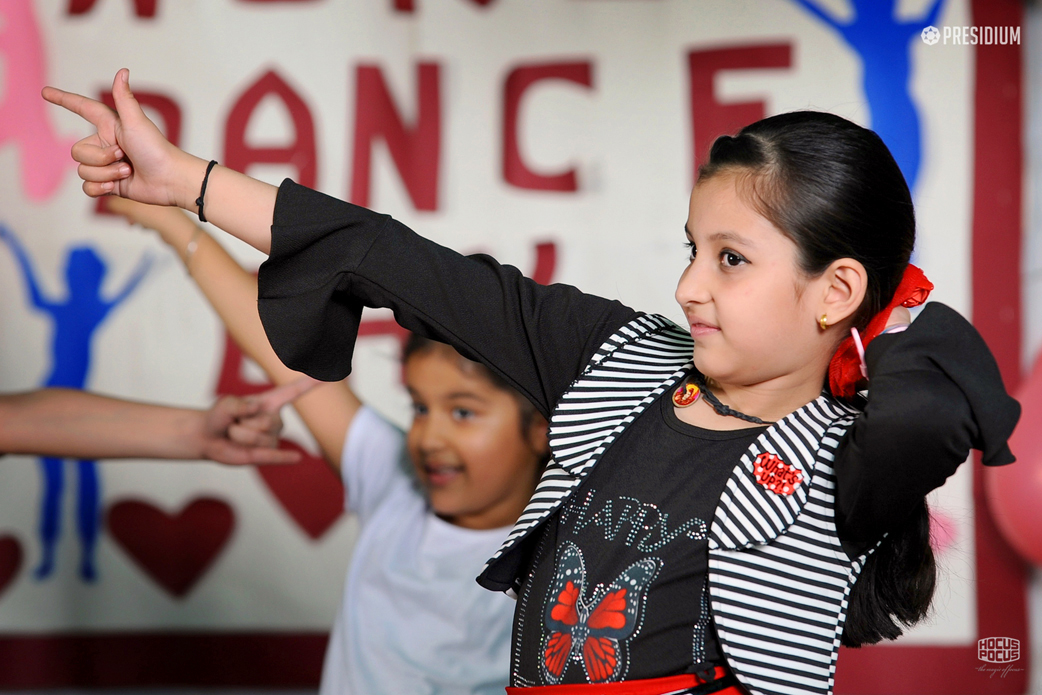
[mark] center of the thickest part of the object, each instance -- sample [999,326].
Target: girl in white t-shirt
[412,618]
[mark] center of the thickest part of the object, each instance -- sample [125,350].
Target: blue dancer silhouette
[885,47]
[76,318]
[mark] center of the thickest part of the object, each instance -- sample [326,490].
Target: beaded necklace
[688,393]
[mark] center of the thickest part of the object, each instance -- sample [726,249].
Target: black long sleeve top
[935,389]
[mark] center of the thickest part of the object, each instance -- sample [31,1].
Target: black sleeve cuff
[941,339]
[304,300]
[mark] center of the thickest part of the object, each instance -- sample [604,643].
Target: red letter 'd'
[169,122]
[709,117]
[415,151]
[142,8]
[515,171]
[300,153]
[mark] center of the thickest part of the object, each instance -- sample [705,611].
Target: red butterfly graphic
[593,632]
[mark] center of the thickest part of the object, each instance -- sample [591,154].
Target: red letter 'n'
[416,151]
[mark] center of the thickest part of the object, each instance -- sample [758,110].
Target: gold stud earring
[824,322]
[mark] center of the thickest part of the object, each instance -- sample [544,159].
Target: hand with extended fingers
[246,430]
[128,155]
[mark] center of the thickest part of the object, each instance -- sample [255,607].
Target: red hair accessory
[845,368]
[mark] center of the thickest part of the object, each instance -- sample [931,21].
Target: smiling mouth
[699,329]
[439,475]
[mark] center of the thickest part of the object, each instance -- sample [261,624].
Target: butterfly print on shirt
[593,632]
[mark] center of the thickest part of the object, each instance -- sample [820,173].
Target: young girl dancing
[709,508]
[412,619]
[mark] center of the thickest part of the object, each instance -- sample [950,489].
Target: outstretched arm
[232,291]
[538,338]
[129,157]
[75,424]
[26,266]
[135,279]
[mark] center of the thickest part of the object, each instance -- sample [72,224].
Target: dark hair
[896,585]
[834,189]
[418,344]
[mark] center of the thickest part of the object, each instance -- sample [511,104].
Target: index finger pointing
[89,109]
[273,400]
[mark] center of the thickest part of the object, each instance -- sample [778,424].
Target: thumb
[234,408]
[127,106]
[273,400]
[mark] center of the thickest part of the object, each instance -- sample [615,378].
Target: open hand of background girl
[737,537]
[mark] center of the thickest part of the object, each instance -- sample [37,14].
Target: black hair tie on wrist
[202,191]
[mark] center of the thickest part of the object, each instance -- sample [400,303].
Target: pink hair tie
[860,351]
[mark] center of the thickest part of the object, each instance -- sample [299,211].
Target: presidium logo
[998,650]
[972,36]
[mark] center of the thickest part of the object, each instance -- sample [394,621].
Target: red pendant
[686,394]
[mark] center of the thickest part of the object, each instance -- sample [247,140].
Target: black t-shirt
[634,539]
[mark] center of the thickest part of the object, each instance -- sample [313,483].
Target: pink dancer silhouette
[23,117]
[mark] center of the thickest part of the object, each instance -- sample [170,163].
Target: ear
[538,435]
[845,284]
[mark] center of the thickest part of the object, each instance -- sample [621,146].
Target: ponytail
[896,585]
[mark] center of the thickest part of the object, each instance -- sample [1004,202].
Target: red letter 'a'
[709,117]
[415,151]
[515,171]
[169,123]
[142,8]
[300,153]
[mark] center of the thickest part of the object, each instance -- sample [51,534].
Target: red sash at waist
[650,686]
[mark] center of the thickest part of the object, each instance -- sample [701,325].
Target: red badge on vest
[776,475]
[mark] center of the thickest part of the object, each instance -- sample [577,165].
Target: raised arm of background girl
[129,157]
[232,291]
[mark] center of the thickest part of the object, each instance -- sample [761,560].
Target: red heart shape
[10,560]
[174,550]
[309,491]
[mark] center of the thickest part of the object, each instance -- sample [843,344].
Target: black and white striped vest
[779,580]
